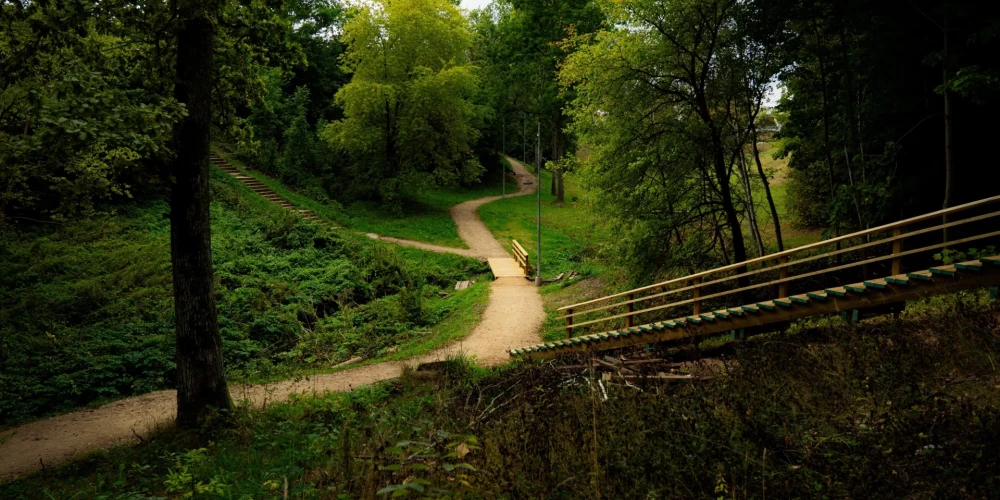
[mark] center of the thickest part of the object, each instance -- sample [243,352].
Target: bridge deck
[505,267]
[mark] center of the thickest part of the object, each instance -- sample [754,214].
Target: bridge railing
[521,256]
[883,245]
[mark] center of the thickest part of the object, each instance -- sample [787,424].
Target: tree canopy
[409,121]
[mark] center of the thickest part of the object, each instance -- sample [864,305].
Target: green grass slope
[86,306]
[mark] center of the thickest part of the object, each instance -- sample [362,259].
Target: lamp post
[538,196]
[503,169]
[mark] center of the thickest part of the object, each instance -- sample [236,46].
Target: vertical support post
[697,295]
[783,274]
[629,308]
[538,195]
[897,248]
[503,168]
[569,323]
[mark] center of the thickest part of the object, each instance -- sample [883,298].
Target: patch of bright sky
[475,4]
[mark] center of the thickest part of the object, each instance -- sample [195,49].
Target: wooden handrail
[793,251]
[793,278]
[697,284]
[895,239]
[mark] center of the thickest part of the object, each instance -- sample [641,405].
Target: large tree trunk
[767,187]
[201,386]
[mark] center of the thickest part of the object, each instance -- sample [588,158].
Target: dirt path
[481,242]
[513,318]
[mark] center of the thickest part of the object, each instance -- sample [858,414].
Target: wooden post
[697,294]
[782,274]
[897,248]
[629,308]
[569,323]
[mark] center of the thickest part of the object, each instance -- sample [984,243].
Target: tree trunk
[767,188]
[947,128]
[201,385]
[751,207]
[732,218]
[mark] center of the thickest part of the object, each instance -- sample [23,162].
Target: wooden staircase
[980,273]
[804,267]
[261,189]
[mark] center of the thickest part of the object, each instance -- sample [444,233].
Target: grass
[792,235]
[424,218]
[86,311]
[569,233]
[883,409]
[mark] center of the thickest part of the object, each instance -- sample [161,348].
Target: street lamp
[538,196]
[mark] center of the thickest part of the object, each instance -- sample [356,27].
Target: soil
[513,318]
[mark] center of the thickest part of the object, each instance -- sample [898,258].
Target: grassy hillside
[883,409]
[424,218]
[86,307]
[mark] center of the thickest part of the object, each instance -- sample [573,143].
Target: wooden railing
[865,243]
[521,256]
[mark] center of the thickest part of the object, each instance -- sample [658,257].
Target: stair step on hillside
[879,284]
[973,266]
[901,279]
[800,299]
[943,270]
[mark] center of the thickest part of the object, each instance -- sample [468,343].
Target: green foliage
[86,309]
[866,143]
[409,123]
[884,409]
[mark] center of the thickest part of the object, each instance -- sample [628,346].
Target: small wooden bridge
[863,271]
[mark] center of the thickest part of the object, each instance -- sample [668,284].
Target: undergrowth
[86,313]
[884,409]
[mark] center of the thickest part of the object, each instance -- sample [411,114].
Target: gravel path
[513,318]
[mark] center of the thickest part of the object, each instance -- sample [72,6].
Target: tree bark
[767,187]
[947,128]
[201,385]
[732,218]
[751,206]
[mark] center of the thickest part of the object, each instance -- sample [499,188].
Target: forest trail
[481,243]
[513,318]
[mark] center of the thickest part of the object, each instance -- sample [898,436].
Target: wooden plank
[736,312]
[767,306]
[921,275]
[880,284]
[800,299]
[943,270]
[901,279]
[856,288]
[974,266]
[817,295]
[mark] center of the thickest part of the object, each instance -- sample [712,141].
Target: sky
[474,4]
